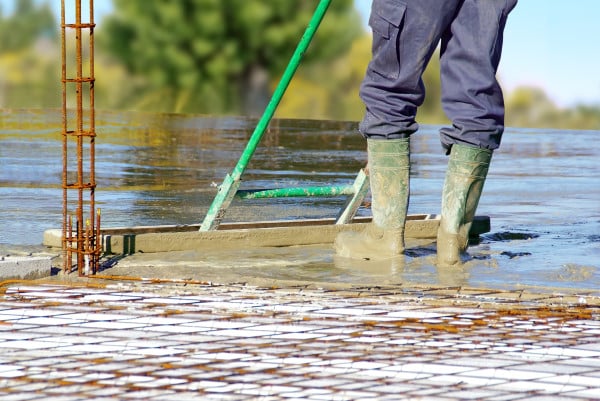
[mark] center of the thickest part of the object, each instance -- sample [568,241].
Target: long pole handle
[281,88]
[232,181]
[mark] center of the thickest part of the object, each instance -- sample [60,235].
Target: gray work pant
[405,35]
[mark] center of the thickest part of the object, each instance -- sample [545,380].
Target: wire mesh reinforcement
[247,343]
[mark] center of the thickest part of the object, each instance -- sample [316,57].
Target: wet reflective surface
[542,194]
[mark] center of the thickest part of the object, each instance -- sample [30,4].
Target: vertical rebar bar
[95,245]
[84,241]
[79,135]
[66,219]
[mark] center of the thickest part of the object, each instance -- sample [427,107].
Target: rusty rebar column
[79,178]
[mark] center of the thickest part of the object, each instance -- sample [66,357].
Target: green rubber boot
[467,170]
[389,168]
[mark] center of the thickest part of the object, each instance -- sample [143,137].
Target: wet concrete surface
[318,266]
[519,320]
[541,195]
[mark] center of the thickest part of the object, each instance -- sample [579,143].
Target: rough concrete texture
[25,267]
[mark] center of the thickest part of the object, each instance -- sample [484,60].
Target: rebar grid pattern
[245,343]
[79,133]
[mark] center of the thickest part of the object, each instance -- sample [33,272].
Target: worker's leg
[389,171]
[472,99]
[405,34]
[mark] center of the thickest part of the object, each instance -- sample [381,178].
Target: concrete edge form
[25,267]
[179,238]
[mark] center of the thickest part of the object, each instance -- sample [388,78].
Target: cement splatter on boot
[389,169]
[467,170]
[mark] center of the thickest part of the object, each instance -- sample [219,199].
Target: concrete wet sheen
[542,195]
[520,320]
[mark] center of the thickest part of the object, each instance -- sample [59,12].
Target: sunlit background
[226,58]
[162,66]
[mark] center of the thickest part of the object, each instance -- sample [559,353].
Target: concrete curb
[25,267]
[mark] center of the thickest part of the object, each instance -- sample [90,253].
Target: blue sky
[551,44]
[554,44]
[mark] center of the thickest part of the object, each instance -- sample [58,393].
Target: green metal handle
[232,181]
[281,88]
[296,192]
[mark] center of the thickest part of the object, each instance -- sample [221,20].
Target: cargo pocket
[386,22]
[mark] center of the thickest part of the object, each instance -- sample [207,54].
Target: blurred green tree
[29,70]
[529,106]
[217,56]
[329,90]
[27,25]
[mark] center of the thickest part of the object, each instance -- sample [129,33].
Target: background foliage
[29,69]
[218,56]
[225,57]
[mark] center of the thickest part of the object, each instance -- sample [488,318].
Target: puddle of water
[543,193]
